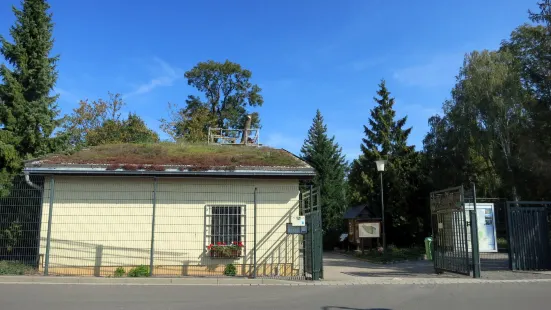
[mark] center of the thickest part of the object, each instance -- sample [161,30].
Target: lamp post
[381,167]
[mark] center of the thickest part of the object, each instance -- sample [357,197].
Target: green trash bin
[428,248]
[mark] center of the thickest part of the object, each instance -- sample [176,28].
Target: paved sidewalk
[339,270]
[340,267]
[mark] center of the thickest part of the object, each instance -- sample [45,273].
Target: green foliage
[325,155]
[392,254]
[99,122]
[15,268]
[189,124]
[495,128]
[119,272]
[10,236]
[230,270]
[385,138]
[139,271]
[27,111]
[227,93]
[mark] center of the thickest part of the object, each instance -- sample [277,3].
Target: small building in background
[356,215]
[182,209]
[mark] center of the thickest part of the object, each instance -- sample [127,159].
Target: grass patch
[134,156]
[138,272]
[392,254]
[15,268]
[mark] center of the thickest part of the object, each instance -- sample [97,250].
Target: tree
[29,112]
[190,124]
[325,156]
[531,47]
[99,122]
[489,85]
[385,138]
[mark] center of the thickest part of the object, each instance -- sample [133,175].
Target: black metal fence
[529,235]
[477,235]
[142,226]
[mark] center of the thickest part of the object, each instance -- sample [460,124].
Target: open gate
[313,242]
[449,226]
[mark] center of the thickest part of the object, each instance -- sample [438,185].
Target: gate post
[510,237]
[254,237]
[474,244]
[474,237]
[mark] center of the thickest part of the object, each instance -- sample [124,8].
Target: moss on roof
[173,154]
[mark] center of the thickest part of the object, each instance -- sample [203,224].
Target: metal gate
[529,235]
[449,226]
[311,209]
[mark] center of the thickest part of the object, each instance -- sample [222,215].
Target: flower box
[221,250]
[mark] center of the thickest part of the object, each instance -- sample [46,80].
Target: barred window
[224,224]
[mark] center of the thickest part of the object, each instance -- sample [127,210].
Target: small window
[224,224]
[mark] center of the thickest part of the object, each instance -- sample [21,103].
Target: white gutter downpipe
[28,180]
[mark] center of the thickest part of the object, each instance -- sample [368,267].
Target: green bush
[14,268]
[230,270]
[140,271]
[119,272]
[502,243]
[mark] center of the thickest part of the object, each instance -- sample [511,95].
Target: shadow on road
[347,308]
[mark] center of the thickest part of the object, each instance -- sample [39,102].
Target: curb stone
[247,282]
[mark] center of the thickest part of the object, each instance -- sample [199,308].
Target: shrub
[140,271]
[14,268]
[119,272]
[230,270]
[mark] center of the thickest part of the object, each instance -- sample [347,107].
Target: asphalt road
[516,296]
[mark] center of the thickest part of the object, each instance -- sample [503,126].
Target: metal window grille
[225,224]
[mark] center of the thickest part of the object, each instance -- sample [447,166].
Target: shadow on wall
[278,255]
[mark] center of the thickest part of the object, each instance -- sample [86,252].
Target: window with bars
[224,224]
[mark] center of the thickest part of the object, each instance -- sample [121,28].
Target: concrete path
[338,267]
[494,296]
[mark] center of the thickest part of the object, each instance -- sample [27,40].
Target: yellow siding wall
[100,223]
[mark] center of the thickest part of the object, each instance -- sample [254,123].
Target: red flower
[218,243]
[210,246]
[240,244]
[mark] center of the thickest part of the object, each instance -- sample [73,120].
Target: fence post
[474,237]
[49,234]
[152,248]
[320,238]
[254,234]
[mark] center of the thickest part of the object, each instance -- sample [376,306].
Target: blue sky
[306,55]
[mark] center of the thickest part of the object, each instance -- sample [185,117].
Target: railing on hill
[234,136]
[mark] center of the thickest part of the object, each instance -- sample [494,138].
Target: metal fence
[135,226]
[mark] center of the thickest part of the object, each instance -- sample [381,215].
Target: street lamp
[381,167]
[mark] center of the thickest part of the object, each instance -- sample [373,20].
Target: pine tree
[29,112]
[386,138]
[325,155]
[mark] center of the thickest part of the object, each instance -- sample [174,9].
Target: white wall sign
[369,230]
[298,220]
[487,241]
